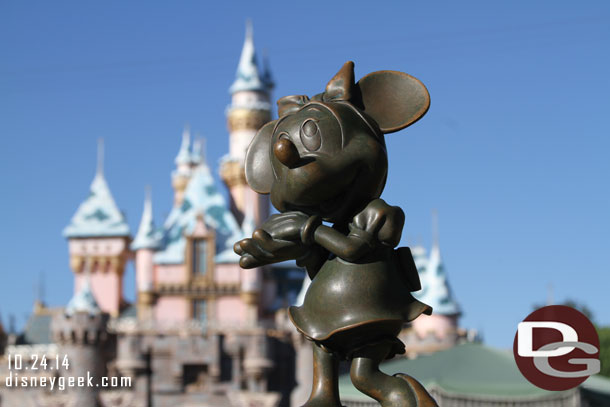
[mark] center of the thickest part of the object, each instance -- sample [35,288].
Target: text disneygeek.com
[61,382]
[19,367]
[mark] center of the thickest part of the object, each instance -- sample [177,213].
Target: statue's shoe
[423,398]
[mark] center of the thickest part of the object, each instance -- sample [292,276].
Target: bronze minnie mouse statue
[325,160]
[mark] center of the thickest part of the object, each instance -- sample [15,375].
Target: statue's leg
[390,391]
[325,390]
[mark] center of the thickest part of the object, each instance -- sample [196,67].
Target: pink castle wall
[107,287]
[169,273]
[227,273]
[440,325]
[172,309]
[230,310]
[144,270]
[251,280]
[107,283]
[226,310]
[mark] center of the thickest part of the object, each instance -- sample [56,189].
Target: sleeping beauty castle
[202,331]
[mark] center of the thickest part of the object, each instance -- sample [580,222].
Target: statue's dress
[371,295]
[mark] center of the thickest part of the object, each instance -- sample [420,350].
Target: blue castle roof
[148,236]
[83,301]
[98,215]
[184,154]
[435,291]
[200,198]
[248,76]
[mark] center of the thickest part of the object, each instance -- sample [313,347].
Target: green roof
[596,390]
[469,369]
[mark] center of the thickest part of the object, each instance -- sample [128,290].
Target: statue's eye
[310,135]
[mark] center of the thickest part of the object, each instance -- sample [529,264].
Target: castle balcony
[134,326]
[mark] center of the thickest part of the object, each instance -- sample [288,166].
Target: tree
[604,349]
[579,306]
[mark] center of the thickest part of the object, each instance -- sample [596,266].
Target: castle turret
[145,243]
[184,167]
[81,333]
[98,234]
[436,292]
[250,109]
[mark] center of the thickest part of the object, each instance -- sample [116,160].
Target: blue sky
[513,152]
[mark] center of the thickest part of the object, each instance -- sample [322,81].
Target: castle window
[200,256]
[199,253]
[200,310]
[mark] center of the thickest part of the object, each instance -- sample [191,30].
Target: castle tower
[185,163]
[250,109]
[436,292]
[81,333]
[98,234]
[145,243]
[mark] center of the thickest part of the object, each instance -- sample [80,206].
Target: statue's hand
[278,239]
[285,226]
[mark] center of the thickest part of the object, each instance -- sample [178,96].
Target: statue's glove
[278,239]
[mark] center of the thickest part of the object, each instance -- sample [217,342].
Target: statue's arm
[378,225]
[349,248]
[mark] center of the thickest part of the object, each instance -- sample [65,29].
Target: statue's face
[325,161]
[326,155]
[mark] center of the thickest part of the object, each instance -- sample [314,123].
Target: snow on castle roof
[148,237]
[98,215]
[83,301]
[248,77]
[435,291]
[200,198]
[184,154]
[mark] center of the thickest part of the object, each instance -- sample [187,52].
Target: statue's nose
[286,152]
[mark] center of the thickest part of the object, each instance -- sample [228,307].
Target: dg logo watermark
[556,348]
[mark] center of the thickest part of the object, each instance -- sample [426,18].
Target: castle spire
[100,157]
[435,236]
[147,236]
[98,215]
[249,29]
[198,155]
[250,109]
[39,303]
[184,154]
[40,289]
[247,77]
[436,290]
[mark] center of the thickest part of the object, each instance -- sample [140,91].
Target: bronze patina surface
[324,162]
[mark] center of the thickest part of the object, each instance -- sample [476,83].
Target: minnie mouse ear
[259,173]
[393,99]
